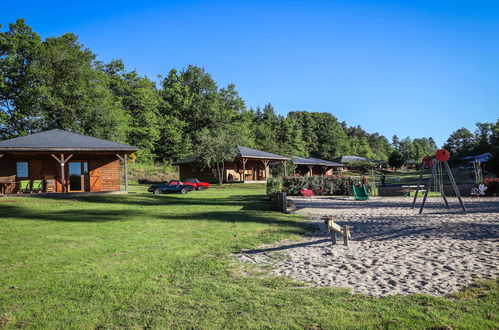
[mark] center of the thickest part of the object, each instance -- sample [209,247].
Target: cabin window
[22,169]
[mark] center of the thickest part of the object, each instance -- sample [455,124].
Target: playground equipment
[334,228]
[360,192]
[477,161]
[435,163]
[479,191]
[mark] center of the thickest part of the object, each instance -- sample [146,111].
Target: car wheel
[183,191]
[157,191]
[200,188]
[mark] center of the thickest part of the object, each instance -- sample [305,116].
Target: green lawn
[135,261]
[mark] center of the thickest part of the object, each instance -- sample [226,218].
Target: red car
[197,184]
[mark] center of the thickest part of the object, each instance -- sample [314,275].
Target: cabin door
[79,179]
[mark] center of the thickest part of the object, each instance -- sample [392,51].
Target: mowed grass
[138,260]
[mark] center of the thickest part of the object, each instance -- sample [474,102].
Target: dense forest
[59,83]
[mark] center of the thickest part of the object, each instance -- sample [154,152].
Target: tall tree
[19,86]
[140,99]
[460,143]
[216,147]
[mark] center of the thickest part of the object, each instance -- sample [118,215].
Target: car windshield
[191,180]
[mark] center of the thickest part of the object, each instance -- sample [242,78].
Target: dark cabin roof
[327,162]
[59,140]
[241,152]
[253,153]
[313,161]
[350,159]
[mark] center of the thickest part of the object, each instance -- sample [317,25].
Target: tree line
[59,83]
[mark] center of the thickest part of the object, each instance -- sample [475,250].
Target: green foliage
[396,159]
[361,167]
[274,186]
[322,185]
[139,98]
[214,148]
[146,172]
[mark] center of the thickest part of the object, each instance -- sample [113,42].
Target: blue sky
[411,68]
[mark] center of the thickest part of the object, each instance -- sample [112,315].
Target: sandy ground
[393,249]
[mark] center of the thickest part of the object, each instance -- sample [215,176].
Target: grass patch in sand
[165,261]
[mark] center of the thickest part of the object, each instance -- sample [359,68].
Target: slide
[360,192]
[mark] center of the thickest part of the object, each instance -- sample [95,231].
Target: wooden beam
[310,167]
[63,177]
[55,157]
[244,168]
[121,158]
[69,157]
[126,171]
[266,167]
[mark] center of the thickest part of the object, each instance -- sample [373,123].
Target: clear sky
[412,68]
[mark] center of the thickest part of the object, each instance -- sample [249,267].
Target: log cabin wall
[254,168]
[193,170]
[104,169]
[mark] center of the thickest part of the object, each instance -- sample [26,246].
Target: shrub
[492,186]
[274,186]
[321,185]
[151,173]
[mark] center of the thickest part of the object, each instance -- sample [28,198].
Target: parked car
[197,184]
[174,186]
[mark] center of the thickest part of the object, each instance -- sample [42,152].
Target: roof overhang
[67,150]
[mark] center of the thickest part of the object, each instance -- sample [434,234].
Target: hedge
[492,186]
[321,185]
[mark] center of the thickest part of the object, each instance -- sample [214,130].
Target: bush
[151,173]
[274,186]
[492,186]
[322,185]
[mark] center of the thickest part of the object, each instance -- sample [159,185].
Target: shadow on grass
[253,209]
[247,202]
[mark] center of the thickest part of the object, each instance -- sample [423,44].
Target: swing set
[436,164]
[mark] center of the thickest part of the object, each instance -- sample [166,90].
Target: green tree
[460,143]
[323,135]
[19,86]
[215,147]
[396,159]
[140,99]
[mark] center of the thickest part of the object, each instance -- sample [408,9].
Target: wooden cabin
[58,161]
[249,165]
[314,166]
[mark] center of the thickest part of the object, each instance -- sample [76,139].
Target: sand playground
[393,249]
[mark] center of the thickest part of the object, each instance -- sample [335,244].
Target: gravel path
[393,250]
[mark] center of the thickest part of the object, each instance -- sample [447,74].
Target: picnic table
[410,188]
[6,181]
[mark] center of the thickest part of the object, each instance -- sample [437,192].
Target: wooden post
[63,177]
[244,169]
[266,167]
[62,162]
[284,206]
[279,198]
[126,172]
[345,235]
[285,170]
